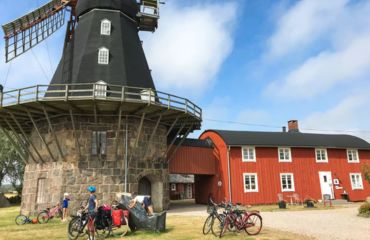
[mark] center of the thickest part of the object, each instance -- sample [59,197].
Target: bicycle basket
[209,209]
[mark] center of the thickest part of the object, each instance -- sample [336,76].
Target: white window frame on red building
[248,154]
[291,175]
[250,175]
[357,183]
[352,156]
[322,156]
[289,159]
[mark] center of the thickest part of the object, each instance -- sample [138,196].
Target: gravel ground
[338,224]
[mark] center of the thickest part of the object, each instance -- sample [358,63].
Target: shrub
[15,200]
[364,210]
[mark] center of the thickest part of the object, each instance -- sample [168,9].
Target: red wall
[193,160]
[268,169]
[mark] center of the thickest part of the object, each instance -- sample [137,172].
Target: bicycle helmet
[91,188]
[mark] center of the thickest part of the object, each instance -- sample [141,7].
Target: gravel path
[338,224]
[341,223]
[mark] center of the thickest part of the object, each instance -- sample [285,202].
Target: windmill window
[103,56]
[99,143]
[100,89]
[105,27]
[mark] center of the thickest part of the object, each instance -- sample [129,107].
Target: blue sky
[250,65]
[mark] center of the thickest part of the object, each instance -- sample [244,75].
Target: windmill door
[326,185]
[145,187]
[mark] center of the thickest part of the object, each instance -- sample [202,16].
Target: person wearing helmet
[92,204]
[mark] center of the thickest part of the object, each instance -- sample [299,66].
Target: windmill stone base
[79,168]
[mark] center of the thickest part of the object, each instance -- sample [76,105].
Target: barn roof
[194,142]
[291,139]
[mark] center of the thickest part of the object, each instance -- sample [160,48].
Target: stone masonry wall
[73,172]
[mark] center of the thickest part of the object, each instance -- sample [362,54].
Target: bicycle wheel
[43,217]
[75,228]
[20,219]
[217,225]
[207,226]
[106,231]
[254,224]
[224,227]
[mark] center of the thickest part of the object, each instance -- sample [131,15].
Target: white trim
[290,154]
[292,180]
[255,179]
[248,159]
[361,186]
[357,156]
[105,27]
[173,186]
[103,56]
[325,153]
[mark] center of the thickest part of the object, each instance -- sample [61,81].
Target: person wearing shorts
[66,199]
[145,201]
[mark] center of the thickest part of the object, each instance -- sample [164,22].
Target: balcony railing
[70,92]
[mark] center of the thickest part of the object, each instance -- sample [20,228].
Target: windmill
[100,121]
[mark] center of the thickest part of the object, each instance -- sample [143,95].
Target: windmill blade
[26,32]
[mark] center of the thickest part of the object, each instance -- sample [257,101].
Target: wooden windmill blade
[24,33]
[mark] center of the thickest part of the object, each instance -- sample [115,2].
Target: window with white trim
[250,182]
[285,155]
[105,27]
[287,182]
[356,181]
[352,156]
[321,155]
[100,89]
[103,56]
[248,154]
[173,186]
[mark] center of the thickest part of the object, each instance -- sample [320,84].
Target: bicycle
[209,223]
[22,219]
[83,224]
[45,215]
[250,222]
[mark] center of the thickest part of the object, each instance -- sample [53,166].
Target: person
[144,200]
[92,203]
[66,199]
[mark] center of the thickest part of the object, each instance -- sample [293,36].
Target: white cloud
[326,70]
[341,29]
[190,45]
[350,116]
[304,23]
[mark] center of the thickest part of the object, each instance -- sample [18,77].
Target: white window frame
[248,149]
[173,186]
[318,156]
[103,56]
[256,182]
[100,89]
[292,189]
[105,27]
[351,151]
[290,154]
[356,185]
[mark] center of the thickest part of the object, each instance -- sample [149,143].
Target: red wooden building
[257,167]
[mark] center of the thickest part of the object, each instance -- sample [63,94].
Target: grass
[178,227]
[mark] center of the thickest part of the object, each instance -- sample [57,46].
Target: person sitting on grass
[144,200]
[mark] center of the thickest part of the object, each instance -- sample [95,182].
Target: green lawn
[178,228]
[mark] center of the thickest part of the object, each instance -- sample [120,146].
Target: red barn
[257,167]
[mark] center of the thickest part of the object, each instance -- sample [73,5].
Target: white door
[326,184]
[189,191]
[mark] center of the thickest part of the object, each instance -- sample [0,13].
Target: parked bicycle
[45,215]
[83,224]
[22,219]
[209,224]
[239,220]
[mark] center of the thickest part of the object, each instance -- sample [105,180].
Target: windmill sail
[31,29]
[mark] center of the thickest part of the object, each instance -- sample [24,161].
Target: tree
[11,165]
[366,171]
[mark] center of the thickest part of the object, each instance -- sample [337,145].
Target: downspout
[126,153]
[228,172]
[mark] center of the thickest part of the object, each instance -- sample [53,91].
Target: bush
[15,200]
[364,210]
